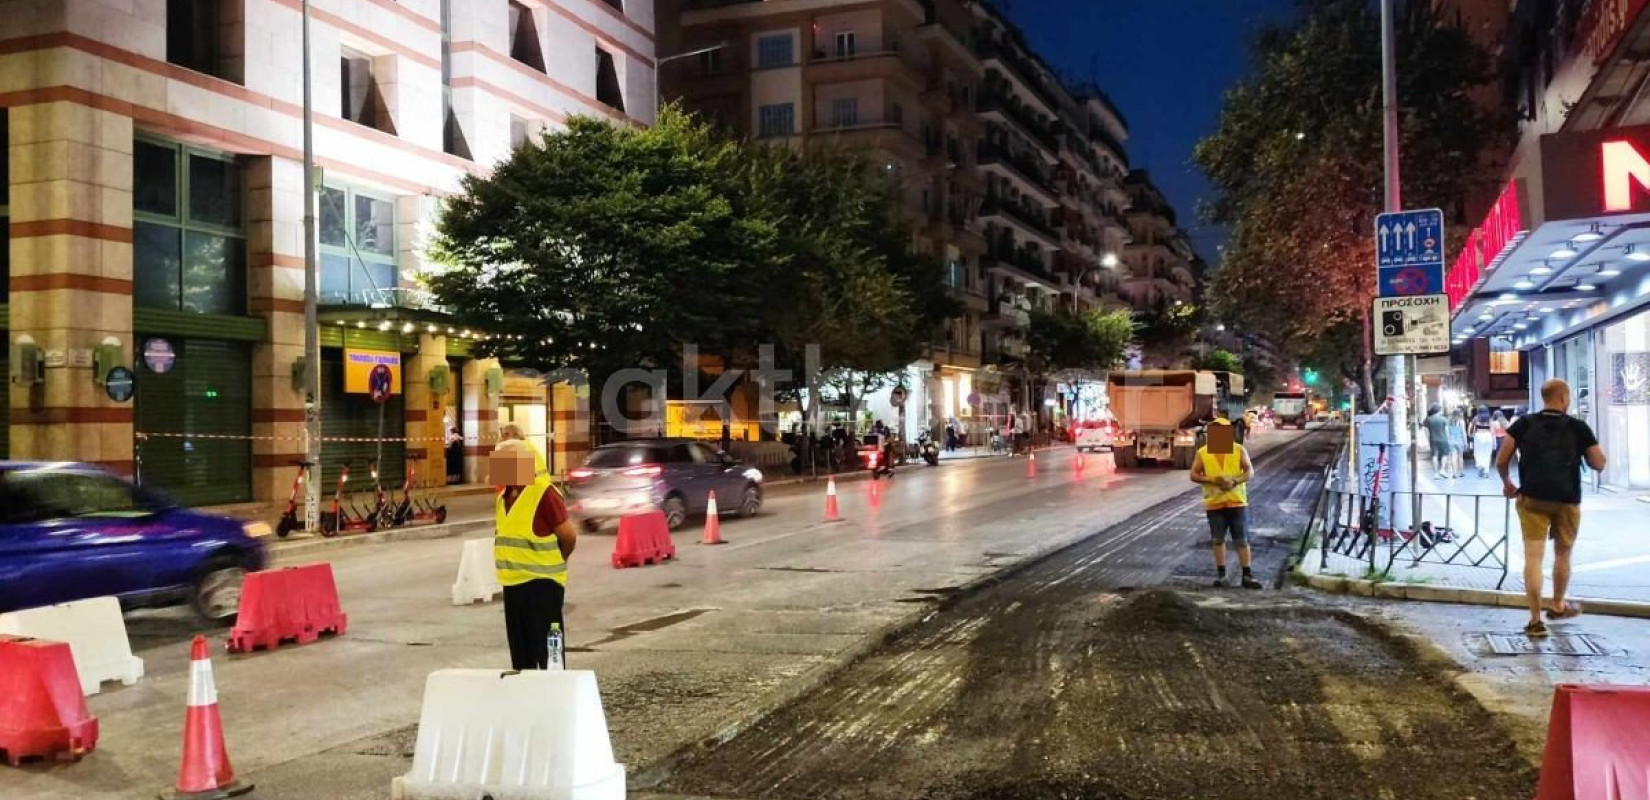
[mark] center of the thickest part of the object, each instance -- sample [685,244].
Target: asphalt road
[704,644]
[1075,679]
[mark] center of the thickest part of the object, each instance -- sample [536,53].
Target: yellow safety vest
[1227,466]
[519,555]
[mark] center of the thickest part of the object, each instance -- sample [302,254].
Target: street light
[660,62]
[1109,261]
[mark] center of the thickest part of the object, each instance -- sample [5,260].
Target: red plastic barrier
[1598,744]
[42,711]
[643,539]
[296,603]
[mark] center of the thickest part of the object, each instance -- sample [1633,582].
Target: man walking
[1222,467]
[1551,447]
[531,545]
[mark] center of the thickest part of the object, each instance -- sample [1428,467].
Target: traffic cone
[204,773]
[1031,465]
[831,514]
[713,524]
[1079,463]
[876,495]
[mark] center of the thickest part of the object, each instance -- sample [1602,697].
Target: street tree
[1296,162]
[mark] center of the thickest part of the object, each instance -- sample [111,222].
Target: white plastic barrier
[95,632]
[477,580]
[534,735]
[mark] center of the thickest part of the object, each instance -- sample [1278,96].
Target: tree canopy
[1296,162]
[1093,341]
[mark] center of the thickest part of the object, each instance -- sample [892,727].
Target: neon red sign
[1501,226]
[1624,166]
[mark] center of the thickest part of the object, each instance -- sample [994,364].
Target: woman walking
[1458,442]
[1498,429]
[1483,441]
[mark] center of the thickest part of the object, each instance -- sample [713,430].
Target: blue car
[74,531]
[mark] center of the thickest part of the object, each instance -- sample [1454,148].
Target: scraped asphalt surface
[1112,670]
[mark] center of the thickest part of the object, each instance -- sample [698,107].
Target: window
[775,50]
[524,37]
[41,494]
[710,62]
[896,114]
[609,91]
[777,120]
[188,239]
[452,134]
[846,43]
[361,99]
[357,248]
[518,132]
[1504,359]
[844,112]
[196,34]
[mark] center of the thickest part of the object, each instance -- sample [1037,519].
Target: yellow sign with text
[359,366]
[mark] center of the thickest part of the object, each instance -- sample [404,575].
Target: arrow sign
[1409,252]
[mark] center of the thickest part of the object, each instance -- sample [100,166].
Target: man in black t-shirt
[1551,447]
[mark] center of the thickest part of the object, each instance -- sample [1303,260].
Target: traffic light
[1310,376]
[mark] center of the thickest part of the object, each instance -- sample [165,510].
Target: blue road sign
[1409,237]
[1412,279]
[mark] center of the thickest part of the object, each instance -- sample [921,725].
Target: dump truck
[1162,412]
[1290,409]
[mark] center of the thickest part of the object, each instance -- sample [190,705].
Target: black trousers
[529,610]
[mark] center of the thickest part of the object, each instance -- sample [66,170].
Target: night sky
[1165,63]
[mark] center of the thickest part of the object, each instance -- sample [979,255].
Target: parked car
[74,531]
[675,476]
[1095,435]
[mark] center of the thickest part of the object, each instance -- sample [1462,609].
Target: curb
[285,549]
[1462,596]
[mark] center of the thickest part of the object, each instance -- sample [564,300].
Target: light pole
[1398,388]
[312,333]
[660,62]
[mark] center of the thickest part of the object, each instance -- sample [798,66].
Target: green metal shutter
[208,391]
[5,391]
[357,416]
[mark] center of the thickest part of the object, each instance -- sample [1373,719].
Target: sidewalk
[1611,561]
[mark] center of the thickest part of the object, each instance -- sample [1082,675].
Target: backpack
[1550,458]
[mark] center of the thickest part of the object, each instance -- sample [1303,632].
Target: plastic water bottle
[553,644]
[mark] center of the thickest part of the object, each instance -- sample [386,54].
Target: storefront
[1624,410]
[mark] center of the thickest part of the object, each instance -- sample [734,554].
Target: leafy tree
[1220,360]
[1093,341]
[602,247]
[1167,330]
[1297,164]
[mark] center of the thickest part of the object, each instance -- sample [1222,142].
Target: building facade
[1160,260]
[1012,178]
[152,220]
[1555,280]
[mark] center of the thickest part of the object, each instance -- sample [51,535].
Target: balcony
[884,133]
[887,64]
[1020,265]
[1016,66]
[1032,223]
[994,103]
[1026,170]
[958,46]
[1006,316]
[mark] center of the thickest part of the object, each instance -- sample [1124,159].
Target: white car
[1096,435]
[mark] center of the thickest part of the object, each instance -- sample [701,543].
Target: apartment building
[1159,257]
[1014,179]
[151,223]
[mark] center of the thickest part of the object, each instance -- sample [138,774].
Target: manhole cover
[1558,644]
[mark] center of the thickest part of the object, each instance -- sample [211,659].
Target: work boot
[1249,582]
[1220,582]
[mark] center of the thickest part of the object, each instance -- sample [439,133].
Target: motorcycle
[927,449]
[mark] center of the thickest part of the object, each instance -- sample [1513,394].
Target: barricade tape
[141,436]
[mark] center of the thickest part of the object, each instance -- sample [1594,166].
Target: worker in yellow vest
[531,545]
[1222,467]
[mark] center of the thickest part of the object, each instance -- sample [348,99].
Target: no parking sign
[380,382]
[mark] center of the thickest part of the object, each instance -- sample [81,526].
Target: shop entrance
[1624,406]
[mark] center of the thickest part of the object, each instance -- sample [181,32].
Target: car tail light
[582,473]
[644,471]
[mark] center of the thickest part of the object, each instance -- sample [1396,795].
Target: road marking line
[1611,564]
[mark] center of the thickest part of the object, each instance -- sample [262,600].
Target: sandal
[1535,630]
[1570,610]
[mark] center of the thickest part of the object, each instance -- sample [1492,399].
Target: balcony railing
[995,100]
[1031,169]
[1018,64]
[1034,220]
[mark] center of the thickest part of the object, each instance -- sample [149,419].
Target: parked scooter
[928,449]
[416,509]
[341,518]
[289,521]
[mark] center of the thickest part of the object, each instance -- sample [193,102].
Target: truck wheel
[1183,457]
[1123,456]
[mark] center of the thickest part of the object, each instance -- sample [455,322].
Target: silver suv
[675,476]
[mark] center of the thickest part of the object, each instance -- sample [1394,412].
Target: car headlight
[256,529]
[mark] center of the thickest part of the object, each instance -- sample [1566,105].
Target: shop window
[775,50]
[609,91]
[777,120]
[361,96]
[204,35]
[524,37]
[357,248]
[188,238]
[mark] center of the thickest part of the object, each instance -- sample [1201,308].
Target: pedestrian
[1458,442]
[1551,448]
[1498,429]
[533,538]
[1240,428]
[1438,439]
[951,436]
[1483,441]
[1222,467]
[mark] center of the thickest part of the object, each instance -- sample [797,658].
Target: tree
[1296,161]
[1090,342]
[602,247]
[1167,331]
[1220,360]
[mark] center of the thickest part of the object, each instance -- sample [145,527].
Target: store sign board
[1596,173]
[1412,326]
[359,365]
[1603,25]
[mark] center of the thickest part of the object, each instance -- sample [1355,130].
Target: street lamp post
[660,62]
[312,333]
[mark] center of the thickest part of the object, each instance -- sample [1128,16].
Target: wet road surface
[1073,678]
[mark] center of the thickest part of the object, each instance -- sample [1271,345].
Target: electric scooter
[415,509]
[340,518]
[289,521]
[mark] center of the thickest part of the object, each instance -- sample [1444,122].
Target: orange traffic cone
[1079,463]
[1031,465]
[713,524]
[831,514]
[876,495]
[204,773]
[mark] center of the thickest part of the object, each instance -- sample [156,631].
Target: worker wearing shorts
[1223,468]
